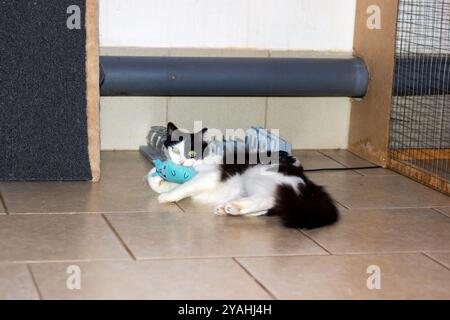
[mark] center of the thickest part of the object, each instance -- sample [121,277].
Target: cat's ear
[171,128]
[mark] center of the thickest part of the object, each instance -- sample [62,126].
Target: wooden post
[93,87]
[370,116]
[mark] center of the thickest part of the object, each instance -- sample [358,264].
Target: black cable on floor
[341,169]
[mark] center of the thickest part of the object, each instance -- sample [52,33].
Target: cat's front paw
[155,182]
[220,210]
[167,198]
[233,208]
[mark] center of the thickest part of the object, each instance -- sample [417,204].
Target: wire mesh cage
[419,135]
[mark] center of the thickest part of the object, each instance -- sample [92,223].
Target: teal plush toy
[172,172]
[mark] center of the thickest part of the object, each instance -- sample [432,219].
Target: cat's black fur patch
[312,208]
[237,163]
[174,136]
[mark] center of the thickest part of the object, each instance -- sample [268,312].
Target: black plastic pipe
[186,76]
[424,75]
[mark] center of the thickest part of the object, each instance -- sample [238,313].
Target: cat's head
[185,148]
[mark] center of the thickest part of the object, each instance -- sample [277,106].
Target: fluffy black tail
[313,208]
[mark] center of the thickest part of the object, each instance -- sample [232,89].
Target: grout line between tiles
[35,282]
[371,166]
[440,212]
[392,208]
[329,157]
[376,253]
[369,252]
[341,204]
[150,259]
[357,171]
[119,237]
[354,168]
[379,253]
[180,207]
[267,255]
[87,260]
[3,203]
[255,279]
[435,260]
[88,213]
[317,243]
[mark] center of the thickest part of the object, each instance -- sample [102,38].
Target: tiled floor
[128,246]
[445,210]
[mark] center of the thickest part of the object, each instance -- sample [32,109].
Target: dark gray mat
[43,121]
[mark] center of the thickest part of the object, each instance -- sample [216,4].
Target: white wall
[257,28]
[323,25]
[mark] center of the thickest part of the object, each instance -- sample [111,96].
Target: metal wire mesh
[420,120]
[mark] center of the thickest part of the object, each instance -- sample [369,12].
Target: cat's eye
[176,151]
[192,154]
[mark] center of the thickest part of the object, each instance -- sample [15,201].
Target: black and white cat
[246,185]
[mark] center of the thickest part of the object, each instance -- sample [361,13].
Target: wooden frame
[93,89]
[422,154]
[370,116]
[420,176]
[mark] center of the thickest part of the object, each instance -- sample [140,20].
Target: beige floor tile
[377,172]
[409,276]
[324,177]
[205,235]
[346,158]
[171,279]
[441,257]
[124,164]
[311,159]
[384,231]
[187,205]
[16,283]
[445,211]
[109,195]
[57,237]
[366,192]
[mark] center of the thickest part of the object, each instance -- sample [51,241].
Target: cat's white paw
[167,197]
[232,209]
[155,182]
[220,210]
